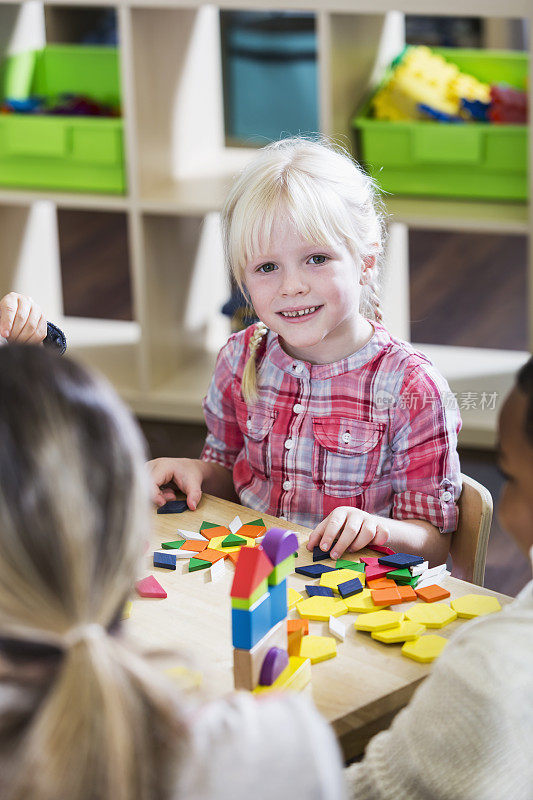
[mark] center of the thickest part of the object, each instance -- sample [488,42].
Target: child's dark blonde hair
[329,199]
[96,722]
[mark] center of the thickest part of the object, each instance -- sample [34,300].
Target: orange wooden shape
[212,555]
[386,597]
[234,556]
[296,624]
[294,641]
[252,531]
[212,533]
[192,544]
[432,593]
[381,583]
[407,593]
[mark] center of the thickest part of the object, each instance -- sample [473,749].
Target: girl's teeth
[299,313]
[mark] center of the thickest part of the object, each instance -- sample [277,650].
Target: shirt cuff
[442,511]
[217,457]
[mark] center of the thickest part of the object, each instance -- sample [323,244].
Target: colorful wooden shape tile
[321,555]
[361,603]
[418,569]
[126,611]
[194,546]
[400,560]
[252,567]
[196,564]
[406,631]
[321,608]
[373,573]
[165,560]
[212,555]
[318,648]
[381,583]
[433,593]
[386,597]
[217,570]
[349,588]
[253,529]
[344,563]
[425,648]
[216,544]
[275,661]
[378,621]
[233,556]
[314,570]
[407,593]
[173,507]
[293,624]
[294,678]
[338,628]
[293,597]
[319,591]
[332,579]
[191,535]
[172,545]
[281,570]
[210,530]
[381,548]
[294,640]
[400,575]
[233,541]
[248,602]
[475,605]
[250,626]
[432,615]
[150,587]
[279,544]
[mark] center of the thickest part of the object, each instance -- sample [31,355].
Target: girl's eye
[265,268]
[318,259]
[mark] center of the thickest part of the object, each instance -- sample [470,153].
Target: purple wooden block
[279,544]
[273,665]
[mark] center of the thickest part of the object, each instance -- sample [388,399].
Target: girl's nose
[293,283]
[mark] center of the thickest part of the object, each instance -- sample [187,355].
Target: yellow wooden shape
[475,605]
[293,597]
[321,608]
[187,678]
[332,579]
[432,615]
[361,603]
[318,648]
[216,544]
[378,621]
[126,611]
[425,648]
[294,677]
[405,632]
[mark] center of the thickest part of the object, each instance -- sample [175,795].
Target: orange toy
[407,593]
[386,597]
[194,545]
[432,593]
[381,583]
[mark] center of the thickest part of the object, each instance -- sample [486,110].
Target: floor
[481,277]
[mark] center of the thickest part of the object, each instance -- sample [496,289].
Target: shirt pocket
[346,454]
[255,423]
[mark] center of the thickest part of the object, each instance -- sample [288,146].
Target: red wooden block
[381,548]
[385,597]
[370,561]
[373,573]
[252,567]
[432,593]
[150,587]
[407,593]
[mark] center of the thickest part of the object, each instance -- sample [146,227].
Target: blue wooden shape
[278,602]
[249,626]
[353,586]
[323,591]
[401,560]
[165,560]
[320,555]
[314,570]
[173,507]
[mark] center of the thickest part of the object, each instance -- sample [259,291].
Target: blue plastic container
[270,76]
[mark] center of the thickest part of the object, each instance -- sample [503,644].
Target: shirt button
[298,368]
[248,423]
[346,437]
[297,408]
[287,485]
[288,444]
[446,496]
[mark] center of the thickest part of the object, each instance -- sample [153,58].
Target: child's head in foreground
[74,515]
[303,234]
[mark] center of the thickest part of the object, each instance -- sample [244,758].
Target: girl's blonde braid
[372,297]
[249,376]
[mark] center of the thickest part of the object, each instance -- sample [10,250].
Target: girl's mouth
[300,316]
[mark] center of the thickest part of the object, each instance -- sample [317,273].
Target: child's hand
[356,528]
[186,473]
[21,319]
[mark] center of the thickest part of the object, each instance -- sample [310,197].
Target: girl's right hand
[186,473]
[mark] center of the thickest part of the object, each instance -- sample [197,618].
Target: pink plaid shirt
[377,431]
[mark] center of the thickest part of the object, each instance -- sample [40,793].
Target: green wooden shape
[205,525]
[281,570]
[198,563]
[400,575]
[232,541]
[247,602]
[172,545]
[259,522]
[343,563]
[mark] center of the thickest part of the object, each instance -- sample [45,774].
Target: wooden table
[358,692]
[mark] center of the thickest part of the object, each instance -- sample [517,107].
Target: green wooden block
[343,563]
[400,575]
[205,525]
[247,602]
[198,563]
[172,545]
[232,541]
[281,570]
[259,522]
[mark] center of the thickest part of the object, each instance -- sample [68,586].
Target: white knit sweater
[467,734]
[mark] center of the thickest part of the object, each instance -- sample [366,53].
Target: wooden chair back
[469,542]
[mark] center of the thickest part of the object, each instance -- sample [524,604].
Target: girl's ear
[368,264]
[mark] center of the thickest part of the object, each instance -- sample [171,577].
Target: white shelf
[460,215]
[84,200]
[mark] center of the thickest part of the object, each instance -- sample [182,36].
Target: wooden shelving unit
[179,170]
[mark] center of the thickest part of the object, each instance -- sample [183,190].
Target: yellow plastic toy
[425,649]
[406,631]
[294,677]
[432,615]
[318,648]
[475,605]
[362,603]
[321,608]
[378,621]
[293,597]
[332,579]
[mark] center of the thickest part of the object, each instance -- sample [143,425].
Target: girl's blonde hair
[328,198]
[74,515]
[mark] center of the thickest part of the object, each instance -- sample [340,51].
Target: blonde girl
[317,414]
[82,715]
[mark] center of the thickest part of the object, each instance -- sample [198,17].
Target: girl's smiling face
[289,275]
[515,458]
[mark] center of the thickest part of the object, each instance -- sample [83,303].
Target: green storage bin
[73,153]
[438,159]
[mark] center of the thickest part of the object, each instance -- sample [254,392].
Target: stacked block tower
[258,615]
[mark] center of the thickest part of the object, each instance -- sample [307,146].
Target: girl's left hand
[355,529]
[21,319]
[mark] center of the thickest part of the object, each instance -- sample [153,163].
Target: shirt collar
[281,359]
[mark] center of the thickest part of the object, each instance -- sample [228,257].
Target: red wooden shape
[252,567]
[150,587]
